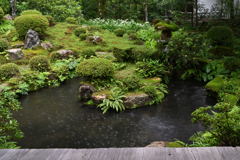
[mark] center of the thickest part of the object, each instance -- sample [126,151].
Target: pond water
[55,118]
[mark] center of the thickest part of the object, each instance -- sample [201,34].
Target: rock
[15,54]
[8,17]
[66,53]
[31,39]
[98,97]
[158,144]
[46,45]
[18,45]
[86,90]
[94,39]
[136,100]
[85,26]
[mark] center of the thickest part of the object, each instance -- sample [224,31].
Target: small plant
[151,91]
[71,20]
[39,63]
[31,12]
[3,45]
[132,82]
[78,31]
[50,19]
[119,32]
[88,52]
[114,102]
[1,14]
[8,70]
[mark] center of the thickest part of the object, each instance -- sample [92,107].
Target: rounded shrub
[131,31]
[8,70]
[94,28]
[142,52]
[119,32]
[132,82]
[50,19]
[71,20]
[151,91]
[1,14]
[83,37]
[31,12]
[132,36]
[88,52]
[220,35]
[39,63]
[35,22]
[3,45]
[54,56]
[95,68]
[78,31]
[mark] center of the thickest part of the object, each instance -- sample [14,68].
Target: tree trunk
[146,12]
[13,8]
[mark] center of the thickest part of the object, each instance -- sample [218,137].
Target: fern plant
[114,102]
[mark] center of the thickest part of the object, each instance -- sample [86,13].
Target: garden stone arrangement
[124,64]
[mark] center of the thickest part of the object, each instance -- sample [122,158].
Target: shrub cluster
[33,21]
[71,20]
[94,28]
[78,31]
[151,91]
[142,52]
[131,31]
[84,36]
[132,36]
[30,12]
[123,54]
[88,52]
[8,70]
[132,82]
[50,19]
[119,32]
[3,45]
[54,56]
[95,68]
[1,14]
[220,35]
[39,63]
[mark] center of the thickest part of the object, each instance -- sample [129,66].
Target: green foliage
[222,126]
[95,68]
[88,53]
[3,45]
[215,85]
[146,34]
[71,20]
[231,63]
[171,26]
[8,70]
[30,12]
[1,14]
[6,26]
[132,82]
[39,63]
[115,101]
[151,91]
[220,35]
[50,19]
[83,37]
[131,31]
[94,29]
[119,32]
[123,54]
[78,31]
[54,56]
[132,36]
[62,71]
[142,52]
[34,21]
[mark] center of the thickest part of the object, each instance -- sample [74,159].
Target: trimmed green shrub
[123,54]
[142,52]
[131,31]
[131,82]
[220,35]
[8,70]
[94,28]
[34,21]
[83,37]
[95,68]
[78,31]
[71,20]
[54,56]
[50,19]
[132,36]
[151,91]
[221,51]
[119,32]
[170,26]
[39,63]
[3,45]
[1,14]
[88,52]
[31,12]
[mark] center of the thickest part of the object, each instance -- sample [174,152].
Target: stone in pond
[136,100]
[85,91]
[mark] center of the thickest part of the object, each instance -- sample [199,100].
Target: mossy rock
[136,99]
[151,81]
[166,26]
[221,51]
[214,86]
[98,97]
[174,145]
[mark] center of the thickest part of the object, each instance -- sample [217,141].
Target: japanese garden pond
[55,118]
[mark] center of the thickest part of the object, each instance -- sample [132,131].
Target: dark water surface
[55,118]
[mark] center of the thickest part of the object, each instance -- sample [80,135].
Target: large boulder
[31,39]
[85,91]
[66,53]
[15,54]
[133,100]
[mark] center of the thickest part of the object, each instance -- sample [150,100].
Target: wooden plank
[14,154]
[154,153]
[78,154]
[229,153]
[201,153]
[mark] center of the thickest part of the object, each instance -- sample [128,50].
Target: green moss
[8,70]
[119,32]
[39,63]
[174,145]
[131,82]
[151,81]
[220,35]
[215,85]
[71,20]
[170,26]
[78,31]
[88,52]
[3,45]
[50,20]
[123,54]
[230,98]
[1,14]
[203,61]
[31,12]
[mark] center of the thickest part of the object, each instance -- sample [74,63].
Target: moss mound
[78,31]
[71,20]
[215,85]
[174,145]
[3,45]
[170,26]
[95,68]
[220,35]
[123,54]
[50,19]
[119,32]
[31,12]
[8,70]
[151,91]
[1,14]
[39,63]
[88,52]
[131,82]
[34,21]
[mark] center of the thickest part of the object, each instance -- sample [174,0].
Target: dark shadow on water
[55,118]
